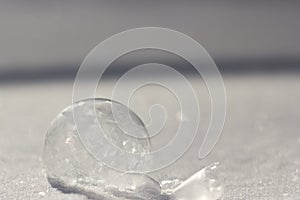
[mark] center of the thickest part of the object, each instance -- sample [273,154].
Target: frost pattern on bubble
[71,168]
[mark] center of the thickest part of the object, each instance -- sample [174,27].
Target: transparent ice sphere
[94,147]
[74,167]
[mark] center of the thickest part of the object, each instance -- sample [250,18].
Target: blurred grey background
[49,39]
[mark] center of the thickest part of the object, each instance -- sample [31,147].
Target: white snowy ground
[259,150]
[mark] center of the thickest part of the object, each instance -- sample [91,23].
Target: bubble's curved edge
[112,101]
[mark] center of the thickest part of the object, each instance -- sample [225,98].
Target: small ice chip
[200,186]
[42,194]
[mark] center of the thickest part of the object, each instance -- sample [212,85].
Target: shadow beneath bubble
[144,193]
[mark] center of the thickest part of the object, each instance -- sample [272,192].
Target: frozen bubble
[81,157]
[74,167]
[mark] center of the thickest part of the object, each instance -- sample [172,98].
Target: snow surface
[258,152]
